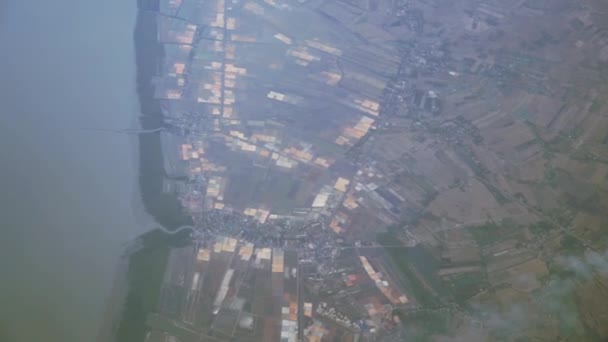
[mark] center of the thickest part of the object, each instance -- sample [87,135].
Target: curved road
[171,232]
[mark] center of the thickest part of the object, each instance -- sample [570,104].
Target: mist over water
[69,196]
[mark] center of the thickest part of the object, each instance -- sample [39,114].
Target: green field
[146,271]
[418,270]
[492,232]
[463,286]
[596,105]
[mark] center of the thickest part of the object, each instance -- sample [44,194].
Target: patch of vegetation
[562,215]
[524,113]
[421,326]
[486,234]
[547,148]
[593,204]
[596,105]
[146,271]
[465,285]
[556,272]
[568,316]
[541,227]
[583,154]
[492,232]
[183,333]
[561,297]
[165,208]
[425,184]
[521,197]
[497,194]
[404,263]
[576,132]
[570,245]
[605,142]
[460,184]
[524,146]
[409,159]
[467,156]
[551,176]
[563,141]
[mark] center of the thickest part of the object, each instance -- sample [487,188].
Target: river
[69,195]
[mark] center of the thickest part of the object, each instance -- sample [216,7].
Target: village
[351,165]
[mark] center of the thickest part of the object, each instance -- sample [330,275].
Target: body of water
[69,196]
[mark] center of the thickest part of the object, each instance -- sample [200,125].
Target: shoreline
[164,208]
[139,274]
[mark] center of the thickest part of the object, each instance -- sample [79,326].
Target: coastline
[164,208]
[140,271]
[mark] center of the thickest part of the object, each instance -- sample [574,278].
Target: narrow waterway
[69,194]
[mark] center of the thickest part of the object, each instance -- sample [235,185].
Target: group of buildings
[223,288]
[266,101]
[302,127]
[271,96]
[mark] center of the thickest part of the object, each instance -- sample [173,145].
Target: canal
[69,195]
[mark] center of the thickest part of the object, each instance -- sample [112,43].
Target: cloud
[586,266]
[554,303]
